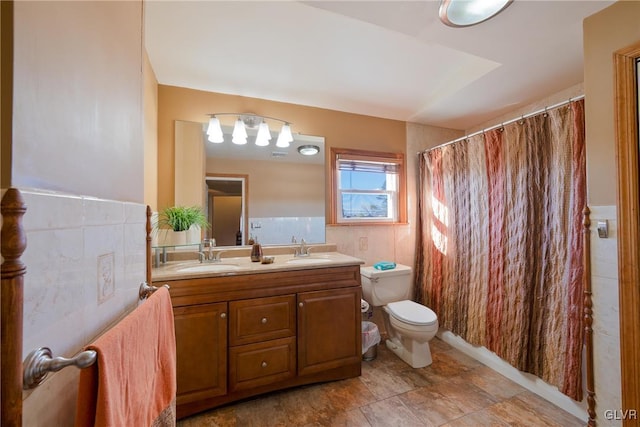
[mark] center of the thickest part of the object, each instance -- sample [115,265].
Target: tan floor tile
[446,401]
[348,394]
[492,382]
[352,418]
[548,410]
[481,418]
[390,412]
[525,410]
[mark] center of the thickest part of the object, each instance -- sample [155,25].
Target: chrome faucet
[210,255]
[303,250]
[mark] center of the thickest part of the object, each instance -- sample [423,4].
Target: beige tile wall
[606,322]
[85,260]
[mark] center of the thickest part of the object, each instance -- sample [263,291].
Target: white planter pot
[194,235]
[172,238]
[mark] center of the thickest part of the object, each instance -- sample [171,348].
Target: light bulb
[214,131]
[264,136]
[239,133]
[285,136]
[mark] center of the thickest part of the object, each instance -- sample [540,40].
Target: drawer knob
[264,364]
[223,315]
[264,320]
[301,304]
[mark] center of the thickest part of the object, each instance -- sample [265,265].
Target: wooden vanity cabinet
[246,334]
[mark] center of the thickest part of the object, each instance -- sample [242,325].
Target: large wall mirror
[275,195]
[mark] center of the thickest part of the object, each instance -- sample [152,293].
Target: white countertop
[243,265]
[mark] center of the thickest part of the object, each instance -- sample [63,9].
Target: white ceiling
[391,59]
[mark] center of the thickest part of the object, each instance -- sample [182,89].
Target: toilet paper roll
[364,306]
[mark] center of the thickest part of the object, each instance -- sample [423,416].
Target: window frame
[364,155]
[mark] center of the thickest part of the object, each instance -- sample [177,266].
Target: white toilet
[410,325]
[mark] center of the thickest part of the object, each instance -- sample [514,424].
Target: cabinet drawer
[254,365]
[261,319]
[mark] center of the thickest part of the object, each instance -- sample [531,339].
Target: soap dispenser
[256,251]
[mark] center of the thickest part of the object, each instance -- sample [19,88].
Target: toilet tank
[380,287]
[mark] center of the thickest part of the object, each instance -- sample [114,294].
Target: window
[367,187]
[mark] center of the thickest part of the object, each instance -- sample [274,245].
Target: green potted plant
[180,225]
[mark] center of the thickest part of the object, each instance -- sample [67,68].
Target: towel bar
[146,290]
[40,362]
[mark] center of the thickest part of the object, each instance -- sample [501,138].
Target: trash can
[370,341]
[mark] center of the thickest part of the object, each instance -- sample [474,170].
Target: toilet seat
[412,313]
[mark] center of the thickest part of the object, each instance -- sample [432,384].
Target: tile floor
[455,390]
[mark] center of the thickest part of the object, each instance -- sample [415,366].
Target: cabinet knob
[223,315]
[264,320]
[264,364]
[301,304]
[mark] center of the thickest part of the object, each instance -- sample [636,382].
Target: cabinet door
[329,325]
[201,347]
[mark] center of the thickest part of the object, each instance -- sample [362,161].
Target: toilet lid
[412,312]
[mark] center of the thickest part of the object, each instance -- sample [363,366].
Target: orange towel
[133,382]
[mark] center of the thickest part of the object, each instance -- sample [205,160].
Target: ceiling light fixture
[464,13]
[251,121]
[308,150]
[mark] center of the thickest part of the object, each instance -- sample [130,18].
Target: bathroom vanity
[246,328]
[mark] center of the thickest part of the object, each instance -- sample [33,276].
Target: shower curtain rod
[524,116]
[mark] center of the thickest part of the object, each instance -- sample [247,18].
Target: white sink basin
[208,268]
[309,261]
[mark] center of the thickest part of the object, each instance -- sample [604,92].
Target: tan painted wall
[190,159]
[267,181]
[614,28]
[339,129]
[150,136]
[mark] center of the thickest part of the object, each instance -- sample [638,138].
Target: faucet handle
[217,257]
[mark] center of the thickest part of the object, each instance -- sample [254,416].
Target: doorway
[226,208]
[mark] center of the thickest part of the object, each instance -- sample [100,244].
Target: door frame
[244,179]
[628,217]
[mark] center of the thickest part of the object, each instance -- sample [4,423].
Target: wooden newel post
[588,320]
[13,243]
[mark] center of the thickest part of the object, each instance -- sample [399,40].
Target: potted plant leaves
[180,225]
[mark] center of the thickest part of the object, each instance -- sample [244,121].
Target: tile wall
[606,321]
[283,230]
[85,260]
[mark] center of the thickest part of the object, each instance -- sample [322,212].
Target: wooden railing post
[13,243]
[588,320]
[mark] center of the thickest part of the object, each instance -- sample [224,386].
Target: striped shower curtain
[500,253]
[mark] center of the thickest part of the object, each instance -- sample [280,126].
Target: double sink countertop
[230,264]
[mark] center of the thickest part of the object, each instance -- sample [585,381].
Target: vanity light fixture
[308,150]
[251,121]
[464,13]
